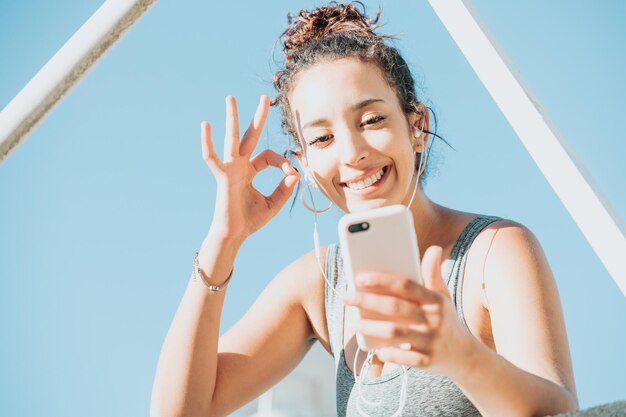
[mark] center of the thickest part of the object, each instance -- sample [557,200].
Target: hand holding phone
[379,240]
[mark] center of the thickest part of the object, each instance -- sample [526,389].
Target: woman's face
[358,142]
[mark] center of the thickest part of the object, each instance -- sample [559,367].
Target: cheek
[397,148]
[323,166]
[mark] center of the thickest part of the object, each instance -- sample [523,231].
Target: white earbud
[308,175]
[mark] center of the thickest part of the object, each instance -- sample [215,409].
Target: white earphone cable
[370,354]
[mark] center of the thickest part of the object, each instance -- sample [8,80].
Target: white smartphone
[379,240]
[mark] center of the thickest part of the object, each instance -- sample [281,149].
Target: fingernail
[290,181]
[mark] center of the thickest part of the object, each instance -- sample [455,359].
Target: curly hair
[333,32]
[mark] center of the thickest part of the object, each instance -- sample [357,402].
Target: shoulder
[505,255]
[298,285]
[506,247]
[504,240]
[512,245]
[516,269]
[511,269]
[304,273]
[302,282]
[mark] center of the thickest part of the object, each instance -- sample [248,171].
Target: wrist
[216,258]
[216,237]
[475,355]
[199,276]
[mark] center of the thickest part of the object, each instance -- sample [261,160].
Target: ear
[420,121]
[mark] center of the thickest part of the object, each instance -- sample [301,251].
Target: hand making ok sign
[240,209]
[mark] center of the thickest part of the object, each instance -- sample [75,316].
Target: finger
[231,140]
[404,357]
[385,307]
[252,135]
[379,334]
[431,271]
[208,151]
[402,287]
[281,194]
[268,157]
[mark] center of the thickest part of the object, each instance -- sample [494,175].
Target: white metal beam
[66,68]
[546,145]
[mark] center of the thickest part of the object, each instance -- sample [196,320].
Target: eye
[373,120]
[320,139]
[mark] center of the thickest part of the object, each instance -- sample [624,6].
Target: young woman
[486,331]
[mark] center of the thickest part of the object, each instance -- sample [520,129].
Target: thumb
[431,271]
[283,191]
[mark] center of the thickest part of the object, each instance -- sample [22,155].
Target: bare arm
[199,375]
[531,373]
[185,375]
[192,379]
[269,341]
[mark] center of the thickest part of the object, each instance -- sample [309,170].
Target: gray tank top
[427,394]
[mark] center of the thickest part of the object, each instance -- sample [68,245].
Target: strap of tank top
[458,258]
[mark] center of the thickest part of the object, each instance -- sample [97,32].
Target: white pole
[548,147]
[66,68]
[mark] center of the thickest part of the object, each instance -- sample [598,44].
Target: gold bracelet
[213,288]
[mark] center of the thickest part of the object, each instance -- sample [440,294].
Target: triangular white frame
[549,149]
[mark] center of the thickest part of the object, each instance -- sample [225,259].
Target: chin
[356,206]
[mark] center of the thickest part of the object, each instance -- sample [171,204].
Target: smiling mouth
[371,181]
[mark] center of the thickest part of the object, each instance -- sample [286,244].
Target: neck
[428,219]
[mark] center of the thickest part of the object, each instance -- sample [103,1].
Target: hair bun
[323,21]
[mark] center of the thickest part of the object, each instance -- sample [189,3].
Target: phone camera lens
[358,227]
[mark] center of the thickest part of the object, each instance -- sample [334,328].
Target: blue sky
[103,206]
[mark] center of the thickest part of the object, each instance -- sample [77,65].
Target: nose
[354,147]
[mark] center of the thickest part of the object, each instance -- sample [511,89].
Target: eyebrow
[358,106]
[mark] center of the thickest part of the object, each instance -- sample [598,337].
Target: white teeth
[367,182]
